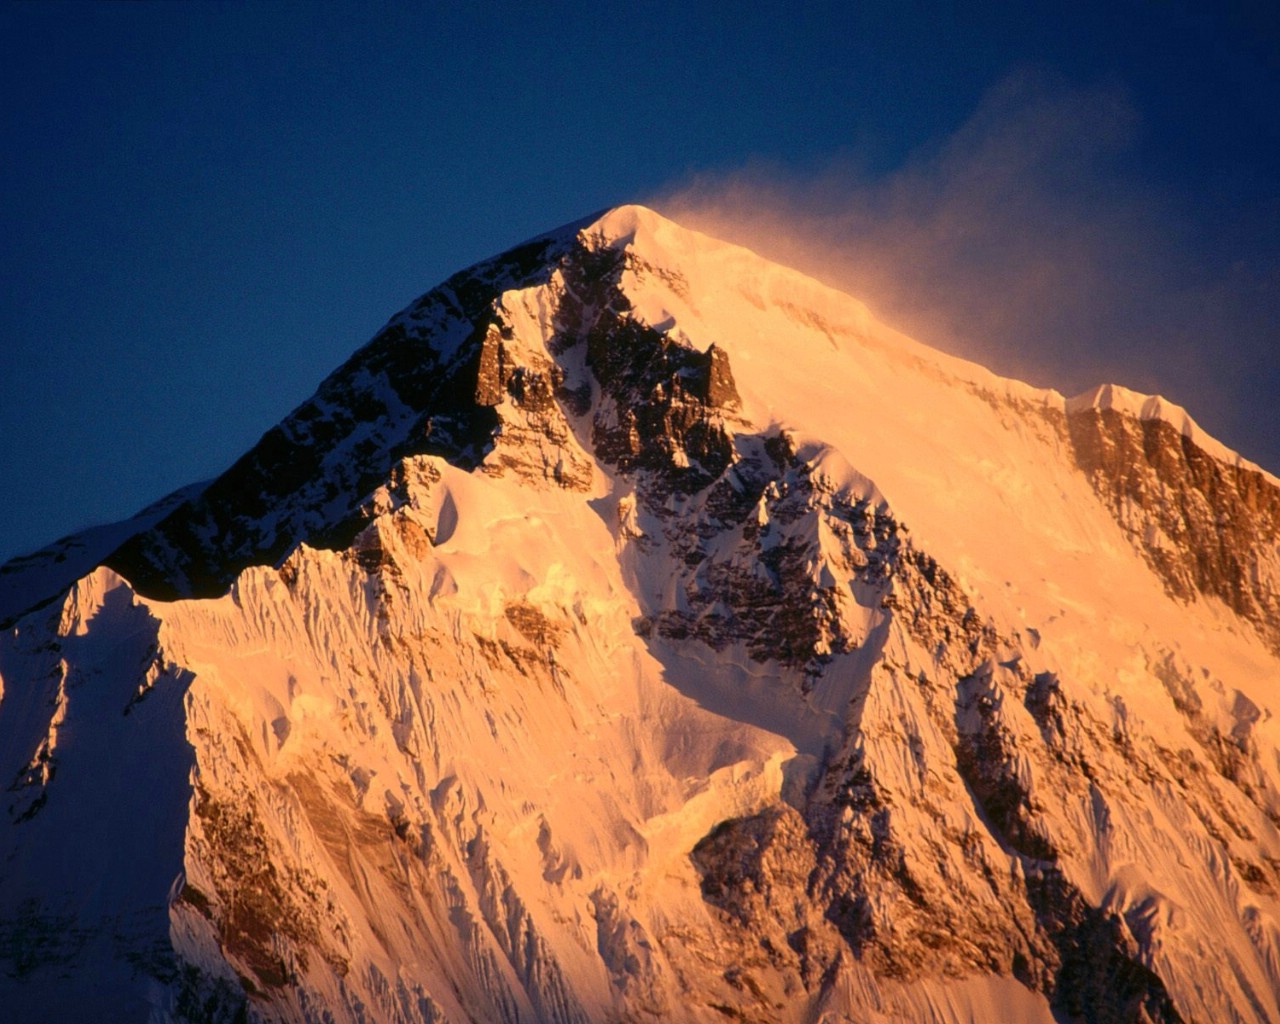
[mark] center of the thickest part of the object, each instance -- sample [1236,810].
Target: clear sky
[204,208]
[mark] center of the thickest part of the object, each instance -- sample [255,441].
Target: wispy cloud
[1030,240]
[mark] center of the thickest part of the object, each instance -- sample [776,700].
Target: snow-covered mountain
[636,630]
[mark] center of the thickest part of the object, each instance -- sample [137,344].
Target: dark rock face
[662,404]
[757,870]
[1206,527]
[877,878]
[1100,977]
[986,757]
[305,479]
[766,587]
[533,438]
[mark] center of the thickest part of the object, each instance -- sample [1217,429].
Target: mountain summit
[638,630]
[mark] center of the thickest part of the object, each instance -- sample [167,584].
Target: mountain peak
[622,222]
[637,629]
[789,351]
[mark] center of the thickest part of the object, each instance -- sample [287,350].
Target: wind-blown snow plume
[1031,240]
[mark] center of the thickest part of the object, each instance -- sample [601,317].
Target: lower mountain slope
[636,630]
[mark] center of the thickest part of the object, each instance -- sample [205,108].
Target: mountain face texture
[634,631]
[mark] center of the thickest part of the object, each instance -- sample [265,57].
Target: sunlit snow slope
[636,630]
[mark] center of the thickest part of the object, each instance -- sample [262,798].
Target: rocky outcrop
[1207,527]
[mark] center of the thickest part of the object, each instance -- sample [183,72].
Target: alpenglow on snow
[637,630]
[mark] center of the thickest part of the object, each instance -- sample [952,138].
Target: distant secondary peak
[1141,406]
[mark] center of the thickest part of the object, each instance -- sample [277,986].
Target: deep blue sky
[204,208]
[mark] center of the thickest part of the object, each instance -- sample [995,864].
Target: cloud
[1030,240]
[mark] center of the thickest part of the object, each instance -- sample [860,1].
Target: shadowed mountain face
[638,630]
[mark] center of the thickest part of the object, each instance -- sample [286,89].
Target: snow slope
[637,630]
